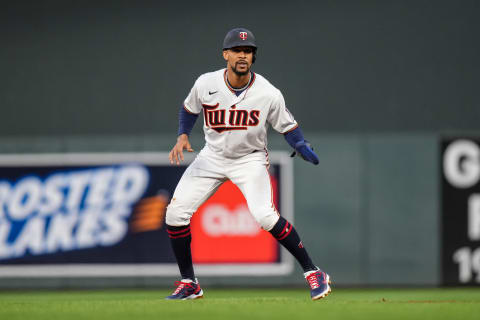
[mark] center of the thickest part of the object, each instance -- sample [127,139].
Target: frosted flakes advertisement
[103,215]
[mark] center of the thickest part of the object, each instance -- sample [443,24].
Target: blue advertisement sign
[91,214]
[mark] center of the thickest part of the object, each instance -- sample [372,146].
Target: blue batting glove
[305,150]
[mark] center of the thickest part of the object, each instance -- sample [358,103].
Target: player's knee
[267,220]
[177,215]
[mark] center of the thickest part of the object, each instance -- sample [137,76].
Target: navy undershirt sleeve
[186,121]
[294,136]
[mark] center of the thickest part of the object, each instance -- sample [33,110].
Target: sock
[286,234]
[180,239]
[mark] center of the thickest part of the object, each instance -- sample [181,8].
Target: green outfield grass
[243,304]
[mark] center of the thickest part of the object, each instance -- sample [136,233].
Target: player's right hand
[177,150]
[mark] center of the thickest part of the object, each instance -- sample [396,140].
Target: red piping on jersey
[291,129]
[230,88]
[271,193]
[226,82]
[271,186]
[266,154]
[189,111]
[271,196]
[251,82]
[210,107]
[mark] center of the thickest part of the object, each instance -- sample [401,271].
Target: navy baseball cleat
[186,290]
[319,282]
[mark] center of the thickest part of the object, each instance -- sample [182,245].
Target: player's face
[239,59]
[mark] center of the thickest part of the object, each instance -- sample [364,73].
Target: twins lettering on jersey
[234,119]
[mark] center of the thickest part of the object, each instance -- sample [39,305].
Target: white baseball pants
[207,173]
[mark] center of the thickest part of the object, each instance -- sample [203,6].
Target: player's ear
[225,54]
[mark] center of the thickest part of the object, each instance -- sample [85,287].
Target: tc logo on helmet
[243,35]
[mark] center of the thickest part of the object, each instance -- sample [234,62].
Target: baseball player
[237,106]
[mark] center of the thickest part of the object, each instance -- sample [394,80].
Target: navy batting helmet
[240,37]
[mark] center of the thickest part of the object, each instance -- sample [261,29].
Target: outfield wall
[369,213]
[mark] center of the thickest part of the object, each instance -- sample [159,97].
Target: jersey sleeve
[279,117]
[192,103]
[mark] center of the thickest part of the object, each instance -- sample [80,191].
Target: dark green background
[124,67]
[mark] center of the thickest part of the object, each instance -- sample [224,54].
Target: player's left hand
[305,150]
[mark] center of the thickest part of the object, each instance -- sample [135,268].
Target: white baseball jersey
[236,126]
